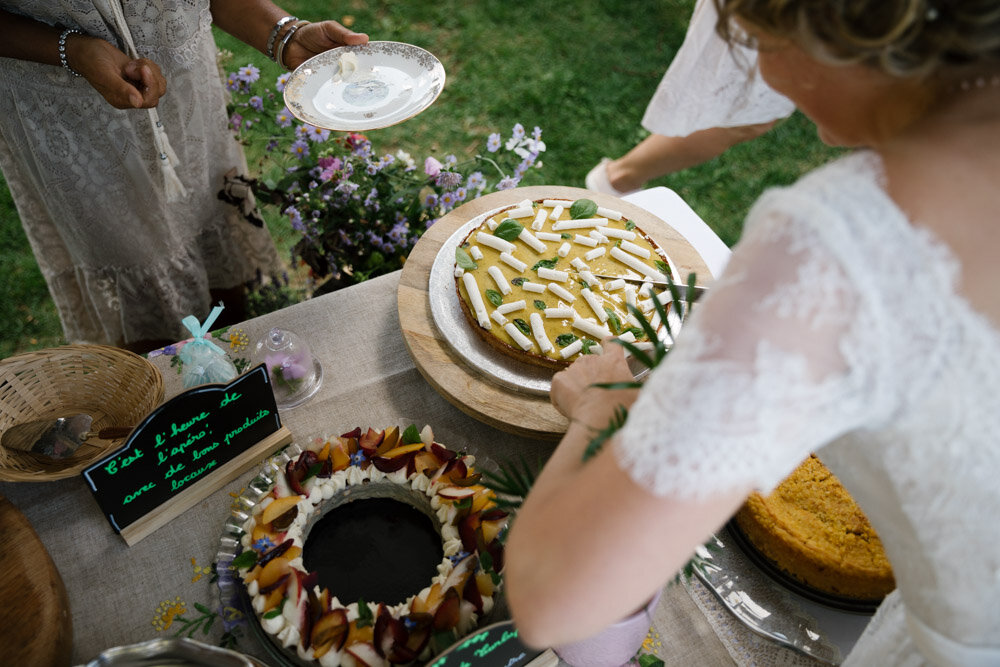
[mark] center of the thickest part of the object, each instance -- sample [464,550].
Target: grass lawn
[583,72]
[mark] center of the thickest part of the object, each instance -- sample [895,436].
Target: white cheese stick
[571,349]
[497,275]
[630,295]
[591,328]
[538,330]
[494,242]
[553,274]
[492,224]
[579,264]
[561,292]
[529,286]
[614,285]
[459,271]
[557,211]
[520,212]
[585,240]
[562,313]
[615,233]
[635,263]
[478,307]
[628,337]
[552,203]
[513,262]
[637,250]
[590,278]
[507,308]
[539,220]
[532,242]
[523,341]
[579,223]
[476,253]
[595,304]
[498,317]
[598,236]
[594,254]
[549,236]
[609,213]
[564,249]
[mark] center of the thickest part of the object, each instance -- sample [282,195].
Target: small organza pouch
[204,361]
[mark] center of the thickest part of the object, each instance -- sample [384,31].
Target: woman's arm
[252,22]
[588,538]
[124,82]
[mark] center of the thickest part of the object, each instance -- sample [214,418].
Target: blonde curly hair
[901,37]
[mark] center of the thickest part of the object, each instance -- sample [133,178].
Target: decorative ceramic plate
[446,312]
[771,610]
[357,88]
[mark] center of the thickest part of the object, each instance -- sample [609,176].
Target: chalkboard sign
[495,645]
[186,449]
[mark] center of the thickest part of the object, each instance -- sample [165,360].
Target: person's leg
[659,155]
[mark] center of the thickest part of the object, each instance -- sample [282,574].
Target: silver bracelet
[62,49]
[279,56]
[269,50]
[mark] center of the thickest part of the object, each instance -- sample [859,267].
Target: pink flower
[432,167]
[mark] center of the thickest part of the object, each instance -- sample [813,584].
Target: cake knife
[695,292]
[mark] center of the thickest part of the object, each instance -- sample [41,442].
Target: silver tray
[771,610]
[446,311]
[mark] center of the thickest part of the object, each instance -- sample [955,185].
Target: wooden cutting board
[35,624]
[465,387]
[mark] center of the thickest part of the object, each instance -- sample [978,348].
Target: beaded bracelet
[269,49]
[280,51]
[62,49]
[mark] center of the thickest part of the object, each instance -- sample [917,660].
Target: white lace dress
[710,84]
[123,263]
[836,328]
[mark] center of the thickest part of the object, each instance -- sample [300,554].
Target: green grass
[583,72]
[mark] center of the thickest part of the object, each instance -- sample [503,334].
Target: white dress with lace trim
[836,328]
[121,262]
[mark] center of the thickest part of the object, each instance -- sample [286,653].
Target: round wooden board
[465,387]
[35,625]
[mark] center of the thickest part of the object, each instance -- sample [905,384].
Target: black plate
[840,602]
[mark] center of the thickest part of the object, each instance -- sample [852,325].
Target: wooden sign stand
[206,486]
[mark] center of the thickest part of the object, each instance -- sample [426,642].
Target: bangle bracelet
[62,49]
[279,56]
[269,49]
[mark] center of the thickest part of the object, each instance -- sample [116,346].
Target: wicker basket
[115,387]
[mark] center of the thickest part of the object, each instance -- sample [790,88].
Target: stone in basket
[115,387]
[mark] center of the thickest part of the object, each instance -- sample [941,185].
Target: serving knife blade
[695,292]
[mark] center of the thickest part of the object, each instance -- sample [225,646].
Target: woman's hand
[316,38]
[125,83]
[573,393]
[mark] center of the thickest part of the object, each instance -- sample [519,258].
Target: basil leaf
[629,225]
[545,263]
[613,320]
[523,326]
[411,435]
[274,612]
[517,281]
[464,259]
[582,208]
[539,304]
[662,266]
[566,236]
[637,332]
[365,616]
[587,344]
[245,560]
[313,471]
[509,229]
[494,297]
[562,340]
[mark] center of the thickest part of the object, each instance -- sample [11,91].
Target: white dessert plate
[446,311]
[357,88]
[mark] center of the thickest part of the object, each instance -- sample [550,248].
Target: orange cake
[811,529]
[527,279]
[335,523]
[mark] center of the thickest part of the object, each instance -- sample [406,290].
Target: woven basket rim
[40,384]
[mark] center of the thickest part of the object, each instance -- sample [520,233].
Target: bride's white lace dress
[123,263]
[836,328]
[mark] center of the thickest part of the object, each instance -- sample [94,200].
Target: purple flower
[461,194]
[284,118]
[256,102]
[317,134]
[432,167]
[493,142]
[248,74]
[287,367]
[450,160]
[507,183]
[300,148]
[372,168]
[357,458]
[271,145]
[476,181]
[431,201]
[448,179]
[263,544]
[295,217]
[233,83]
[398,233]
[236,121]
[372,198]
[347,187]
[447,200]
[280,82]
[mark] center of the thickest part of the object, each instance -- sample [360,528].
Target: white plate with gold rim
[358,88]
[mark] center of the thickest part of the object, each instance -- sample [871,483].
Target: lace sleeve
[770,367]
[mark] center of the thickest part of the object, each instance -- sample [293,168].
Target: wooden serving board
[35,625]
[465,387]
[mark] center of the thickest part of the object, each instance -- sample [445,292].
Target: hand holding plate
[316,38]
